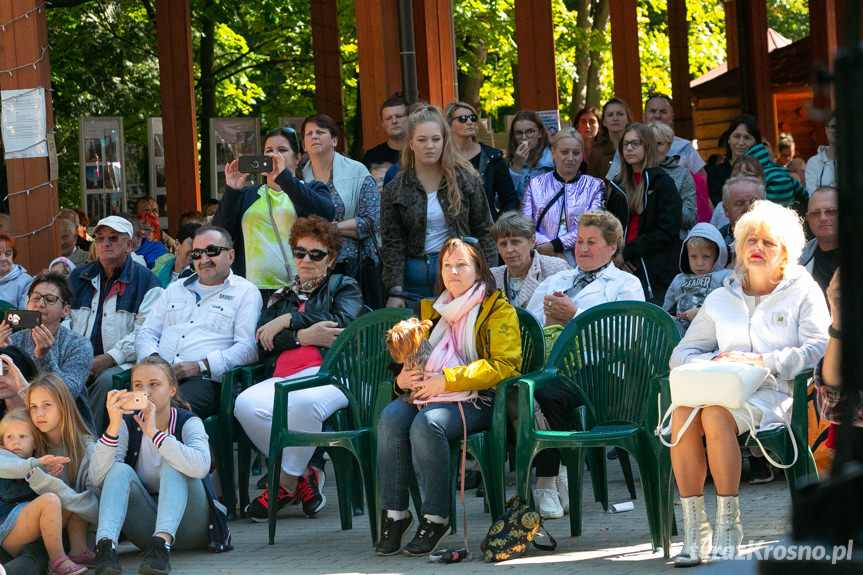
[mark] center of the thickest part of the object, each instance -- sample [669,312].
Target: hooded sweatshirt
[688,290]
[820,170]
[781,187]
[13,286]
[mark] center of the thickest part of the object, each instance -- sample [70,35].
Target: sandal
[85,557]
[54,567]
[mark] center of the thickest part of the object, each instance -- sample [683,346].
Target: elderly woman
[527,152]
[14,279]
[664,136]
[299,325]
[770,313]
[555,200]
[524,269]
[476,345]
[556,302]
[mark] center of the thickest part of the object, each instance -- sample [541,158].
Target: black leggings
[557,402]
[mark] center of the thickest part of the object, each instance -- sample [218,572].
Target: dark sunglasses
[314,255]
[464,118]
[211,251]
[293,132]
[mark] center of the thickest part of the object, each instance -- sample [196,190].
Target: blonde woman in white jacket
[770,313]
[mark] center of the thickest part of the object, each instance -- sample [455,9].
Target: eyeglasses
[826,212]
[465,117]
[110,239]
[525,134]
[314,255]
[49,299]
[631,144]
[211,251]
[393,117]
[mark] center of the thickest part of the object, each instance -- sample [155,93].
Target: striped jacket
[781,187]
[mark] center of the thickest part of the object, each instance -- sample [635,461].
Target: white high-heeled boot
[696,532]
[729,532]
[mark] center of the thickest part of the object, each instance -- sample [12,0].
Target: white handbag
[727,384]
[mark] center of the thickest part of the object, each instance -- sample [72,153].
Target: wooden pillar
[182,178]
[678,40]
[624,54]
[731,35]
[24,65]
[329,98]
[380,69]
[537,74]
[822,38]
[756,91]
[435,49]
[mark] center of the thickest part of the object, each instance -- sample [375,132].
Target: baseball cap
[117,224]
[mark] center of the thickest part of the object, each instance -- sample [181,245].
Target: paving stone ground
[610,543]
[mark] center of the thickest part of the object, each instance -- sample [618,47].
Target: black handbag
[369,273]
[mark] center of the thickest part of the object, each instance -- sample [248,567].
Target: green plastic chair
[357,365]
[612,356]
[219,429]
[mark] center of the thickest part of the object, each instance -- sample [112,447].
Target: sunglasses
[211,251]
[314,255]
[293,132]
[464,118]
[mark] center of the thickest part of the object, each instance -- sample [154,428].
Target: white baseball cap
[117,224]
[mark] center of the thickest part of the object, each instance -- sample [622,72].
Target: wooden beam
[24,43]
[435,48]
[757,96]
[379,65]
[678,40]
[823,43]
[732,51]
[624,54]
[537,74]
[182,178]
[329,98]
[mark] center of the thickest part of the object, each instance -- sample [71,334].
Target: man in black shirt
[394,120]
[821,254]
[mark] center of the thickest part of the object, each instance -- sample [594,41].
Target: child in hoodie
[702,264]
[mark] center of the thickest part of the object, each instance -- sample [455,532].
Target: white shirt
[220,326]
[437,231]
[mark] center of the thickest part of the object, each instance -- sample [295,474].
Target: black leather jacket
[338,299]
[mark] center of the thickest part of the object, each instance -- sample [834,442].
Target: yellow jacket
[498,345]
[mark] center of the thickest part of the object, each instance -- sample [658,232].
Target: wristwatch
[202,366]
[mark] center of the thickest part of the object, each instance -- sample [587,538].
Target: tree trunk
[207,88]
[582,62]
[469,84]
[600,24]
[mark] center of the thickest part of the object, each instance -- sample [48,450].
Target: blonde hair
[609,226]
[567,133]
[73,432]
[20,415]
[449,113]
[662,131]
[780,222]
[156,361]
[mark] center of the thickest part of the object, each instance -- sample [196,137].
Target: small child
[25,516]
[702,264]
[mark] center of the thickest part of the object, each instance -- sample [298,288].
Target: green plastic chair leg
[598,475]
[343,465]
[223,453]
[626,467]
[244,456]
[357,485]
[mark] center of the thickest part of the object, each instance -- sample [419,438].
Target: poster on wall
[231,138]
[102,161]
[551,119]
[156,157]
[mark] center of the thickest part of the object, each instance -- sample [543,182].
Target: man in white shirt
[205,324]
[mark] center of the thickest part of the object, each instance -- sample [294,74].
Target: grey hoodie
[688,290]
[13,287]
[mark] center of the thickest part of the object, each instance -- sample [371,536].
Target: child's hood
[710,233]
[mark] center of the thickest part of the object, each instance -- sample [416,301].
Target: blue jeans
[180,509]
[421,275]
[408,436]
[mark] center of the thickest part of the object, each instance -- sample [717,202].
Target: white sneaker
[563,489]
[547,502]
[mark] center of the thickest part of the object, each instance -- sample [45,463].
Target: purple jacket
[582,194]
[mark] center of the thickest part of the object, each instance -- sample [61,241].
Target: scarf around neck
[305,289]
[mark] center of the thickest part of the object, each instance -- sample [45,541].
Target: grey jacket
[686,187]
[13,286]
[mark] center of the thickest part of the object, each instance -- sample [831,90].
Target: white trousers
[307,410]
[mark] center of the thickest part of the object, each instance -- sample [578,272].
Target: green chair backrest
[4,305]
[611,352]
[532,342]
[358,361]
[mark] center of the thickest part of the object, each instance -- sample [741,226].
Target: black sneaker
[258,509]
[427,537]
[760,470]
[393,533]
[106,560]
[156,558]
[309,491]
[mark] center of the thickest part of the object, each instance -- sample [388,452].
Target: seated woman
[299,325]
[159,477]
[477,344]
[556,302]
[524,268]
[13,277]
[770,313]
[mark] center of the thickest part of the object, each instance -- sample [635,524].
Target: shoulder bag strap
[278,235]
[549,204]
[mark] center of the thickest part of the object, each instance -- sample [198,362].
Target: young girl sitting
[159,476]
[26,516]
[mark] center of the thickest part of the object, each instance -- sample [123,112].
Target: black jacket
[338,299]
[499,190]
[655,251]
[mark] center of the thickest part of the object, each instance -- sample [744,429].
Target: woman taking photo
[742,134]
[462,119]
[476,345]
[770,313]
[527,152]
[587,122]
[14,279]
[259,218]
[353,190]
[646,202]
[437,195]
[297,329]
[555,200]
[615,117]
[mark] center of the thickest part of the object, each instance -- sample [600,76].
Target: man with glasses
[113,296]
[204,325]
[394,121]
[821,254]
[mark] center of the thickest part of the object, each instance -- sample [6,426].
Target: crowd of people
[431,219]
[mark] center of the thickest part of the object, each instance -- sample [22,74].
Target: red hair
[6,238]
[154,223]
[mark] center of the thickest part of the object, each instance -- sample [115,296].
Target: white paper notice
[24,123]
